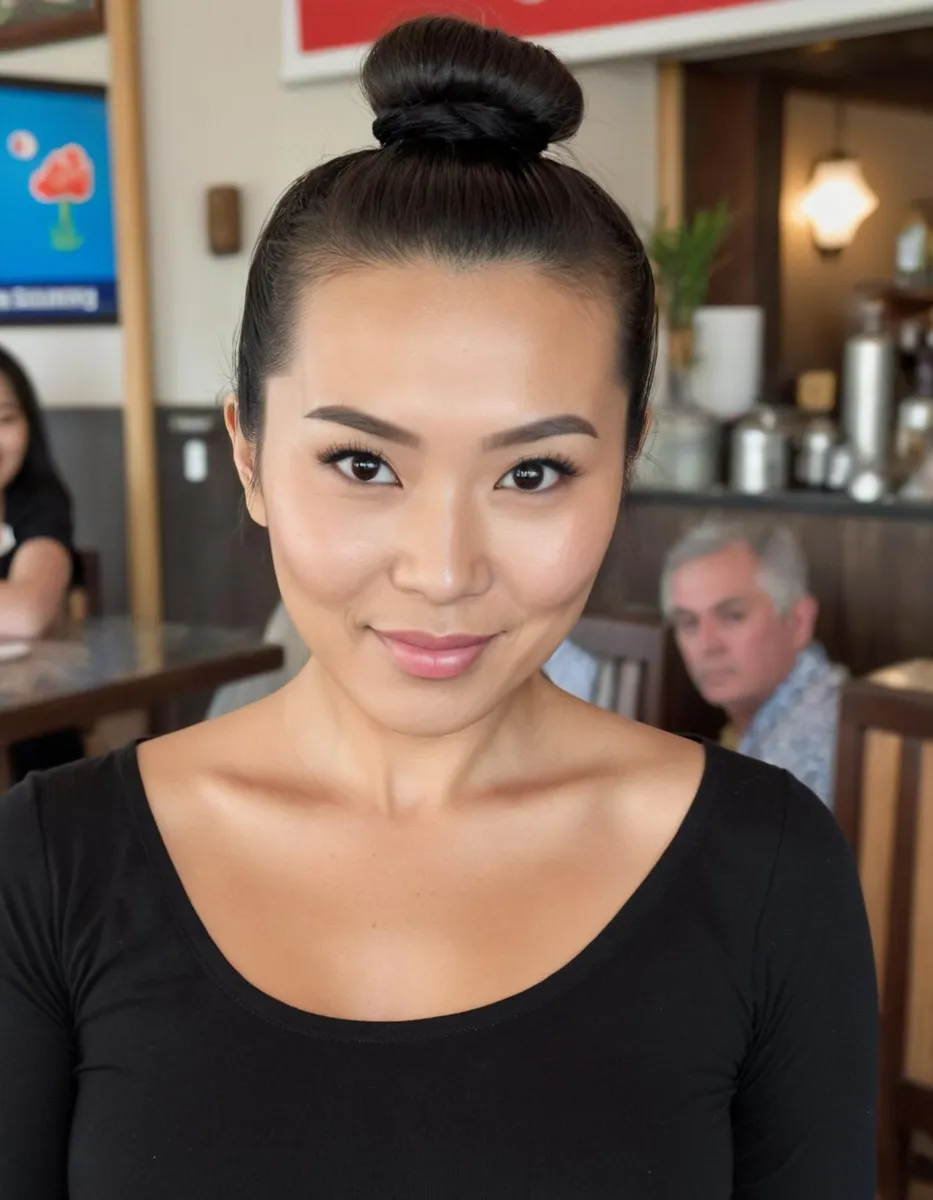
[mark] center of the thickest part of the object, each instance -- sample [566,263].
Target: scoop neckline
[620,927]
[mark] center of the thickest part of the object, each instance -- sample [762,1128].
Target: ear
[803,621]
[245,460]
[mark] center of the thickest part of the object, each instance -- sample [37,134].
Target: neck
[741,717]
[401,776]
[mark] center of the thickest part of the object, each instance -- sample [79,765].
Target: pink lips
[428,657]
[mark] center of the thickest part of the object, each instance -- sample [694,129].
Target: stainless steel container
[868,484]
[869,373]
[814,453]
[841,468]
[682,452]
[914,438]
[760,454]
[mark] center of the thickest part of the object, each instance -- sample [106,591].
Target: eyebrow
[352,418]
[678,613]
[536,431]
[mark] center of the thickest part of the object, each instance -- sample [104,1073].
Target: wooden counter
[871,565]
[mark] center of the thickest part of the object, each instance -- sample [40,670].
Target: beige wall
[896,149]
[217,113]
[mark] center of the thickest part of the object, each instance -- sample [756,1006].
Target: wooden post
[671,142]
[142,487]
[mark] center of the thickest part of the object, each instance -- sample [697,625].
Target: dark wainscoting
[216,563]
[87,444]
[872,571]
[217,568]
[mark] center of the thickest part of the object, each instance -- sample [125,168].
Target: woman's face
[14,434]
[440,474]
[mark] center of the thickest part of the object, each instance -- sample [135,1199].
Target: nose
[709,639]
[441,552]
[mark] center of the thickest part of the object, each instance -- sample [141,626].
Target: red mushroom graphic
[66,177]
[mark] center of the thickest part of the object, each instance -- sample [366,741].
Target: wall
[894,146]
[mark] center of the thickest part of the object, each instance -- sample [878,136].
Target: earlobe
[244,459]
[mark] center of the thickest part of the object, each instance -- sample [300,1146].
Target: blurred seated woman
[37,561]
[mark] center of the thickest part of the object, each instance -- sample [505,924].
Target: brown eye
[529,476]
[362,467]
[536,475]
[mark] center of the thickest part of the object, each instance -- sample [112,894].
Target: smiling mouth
[425,656]
[716,675]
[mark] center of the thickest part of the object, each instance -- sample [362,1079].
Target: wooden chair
[85,600]
[642,675]
[884,803]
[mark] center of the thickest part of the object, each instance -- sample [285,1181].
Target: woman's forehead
[503,327]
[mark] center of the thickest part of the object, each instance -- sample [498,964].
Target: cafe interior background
[806,388]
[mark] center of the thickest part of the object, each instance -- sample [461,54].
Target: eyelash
[339,451]
[557,462]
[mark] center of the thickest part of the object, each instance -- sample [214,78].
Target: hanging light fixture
[837,199]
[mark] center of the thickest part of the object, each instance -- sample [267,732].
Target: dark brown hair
[463,115]
[38,472]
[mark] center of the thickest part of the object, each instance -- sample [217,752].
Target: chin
[427,710]
[724,695]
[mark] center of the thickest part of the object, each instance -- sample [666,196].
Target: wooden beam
[143,550]
[671,141]
[733,144]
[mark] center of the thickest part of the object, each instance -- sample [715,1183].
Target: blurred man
[738,598]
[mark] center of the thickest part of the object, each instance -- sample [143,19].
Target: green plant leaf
[684,257]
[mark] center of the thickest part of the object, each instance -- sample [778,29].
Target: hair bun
[445,79]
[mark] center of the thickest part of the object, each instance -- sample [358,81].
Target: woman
[421,924]
[37,561]
[36,553]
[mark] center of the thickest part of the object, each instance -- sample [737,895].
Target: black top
[717,1039]
[36,510]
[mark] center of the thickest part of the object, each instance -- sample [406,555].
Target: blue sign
[57,256]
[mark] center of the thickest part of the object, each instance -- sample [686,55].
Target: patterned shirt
[796,728]
[573,671]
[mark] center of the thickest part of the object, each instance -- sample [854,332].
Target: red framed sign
[328,37]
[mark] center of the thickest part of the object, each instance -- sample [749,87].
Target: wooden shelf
[901,299]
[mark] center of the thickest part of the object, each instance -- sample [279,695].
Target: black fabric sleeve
[805,1107]
[36,1077]
[44,513]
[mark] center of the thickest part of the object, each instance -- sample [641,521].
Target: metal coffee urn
[869,372]
[760,451]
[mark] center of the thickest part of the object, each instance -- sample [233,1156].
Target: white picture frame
[743,25]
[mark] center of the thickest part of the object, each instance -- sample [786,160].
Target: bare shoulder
[198,766]
[650,777]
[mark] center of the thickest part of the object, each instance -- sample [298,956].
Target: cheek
[553,559]
[328,552]
[14,440]
[754,645]
[548,558]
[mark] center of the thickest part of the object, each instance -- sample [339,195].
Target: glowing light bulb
[836,202]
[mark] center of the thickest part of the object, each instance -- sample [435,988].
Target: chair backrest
[884,803]
[635,655]
[85,600]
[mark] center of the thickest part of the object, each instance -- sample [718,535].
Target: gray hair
[783,568]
